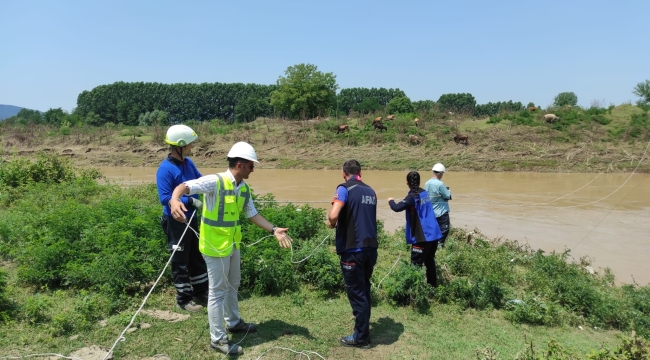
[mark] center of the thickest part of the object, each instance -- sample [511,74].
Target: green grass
[620,116]
[315,324]
[83,252]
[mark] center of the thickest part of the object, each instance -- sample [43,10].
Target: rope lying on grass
[121,337]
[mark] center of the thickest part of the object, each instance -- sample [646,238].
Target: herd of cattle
[378,124]
[412,139]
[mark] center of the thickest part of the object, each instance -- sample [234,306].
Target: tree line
[303,92]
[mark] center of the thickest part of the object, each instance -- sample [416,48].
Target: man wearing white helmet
[188,267]
[440,196]
[226,197]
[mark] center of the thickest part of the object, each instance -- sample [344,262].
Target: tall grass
[106,242]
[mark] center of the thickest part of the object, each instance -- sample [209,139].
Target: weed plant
[68,233]
[5,305]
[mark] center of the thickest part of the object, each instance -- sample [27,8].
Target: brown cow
[568,107]
[390,117]
[415,140]
[343,128]
[551,118]
[416,122]
[377,120]
[461,139]
[380,126]
[532,108]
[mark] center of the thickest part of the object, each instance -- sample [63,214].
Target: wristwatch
[273,229]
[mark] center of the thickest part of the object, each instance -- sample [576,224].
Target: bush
[36,308]
[5,305]
[639,124]
[322,268]
[156,117]
[399,105]
[424,106]
[266,268]
[367,106]
[534,311]
[491,109]
[65,130]
[268,271]
[565,98]
[459,103]
[47,169]
[483,293]
[407,285]
[494,120]
[86,236]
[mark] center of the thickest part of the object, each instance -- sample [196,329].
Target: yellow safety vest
[220,228]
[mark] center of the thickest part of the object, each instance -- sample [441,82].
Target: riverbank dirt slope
[315,144]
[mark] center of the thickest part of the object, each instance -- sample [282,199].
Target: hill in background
[7,111]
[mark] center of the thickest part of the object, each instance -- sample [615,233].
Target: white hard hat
[243,150]
[438,168]
[180,135]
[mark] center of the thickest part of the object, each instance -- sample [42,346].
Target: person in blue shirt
[440,196]
[354,215]
[422,231]
[189,271]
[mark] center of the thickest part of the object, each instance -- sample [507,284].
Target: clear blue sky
[519,50]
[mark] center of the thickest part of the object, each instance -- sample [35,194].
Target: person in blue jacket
[422,230]
[189,272]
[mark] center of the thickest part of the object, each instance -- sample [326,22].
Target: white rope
[389,271]
[121,337]
[528,205]
[268,236]
[618,188]
[238,295]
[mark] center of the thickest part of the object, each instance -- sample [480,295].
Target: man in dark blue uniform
[189,271]
[354,215]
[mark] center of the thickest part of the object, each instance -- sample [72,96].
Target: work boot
[201,299]
[243,327]
[226,347]
[190,306]
[352,342]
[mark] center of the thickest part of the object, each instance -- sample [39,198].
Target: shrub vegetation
[105,243]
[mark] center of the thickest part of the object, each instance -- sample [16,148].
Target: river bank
[312,144]
[79,256]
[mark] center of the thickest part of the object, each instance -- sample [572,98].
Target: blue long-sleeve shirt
[439,195]
[170,174]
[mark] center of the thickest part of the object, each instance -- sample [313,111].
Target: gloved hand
[196,203]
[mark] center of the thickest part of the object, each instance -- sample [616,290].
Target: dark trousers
[357,269]
[188,267]
[443,222]
[424,253]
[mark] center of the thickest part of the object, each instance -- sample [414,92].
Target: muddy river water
[548,211]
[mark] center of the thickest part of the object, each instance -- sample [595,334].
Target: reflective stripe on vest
[218,235]
[222,203]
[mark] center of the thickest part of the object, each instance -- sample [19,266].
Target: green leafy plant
[565,98]
[407,285]
[304,92]
[458,103]
[399,105]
